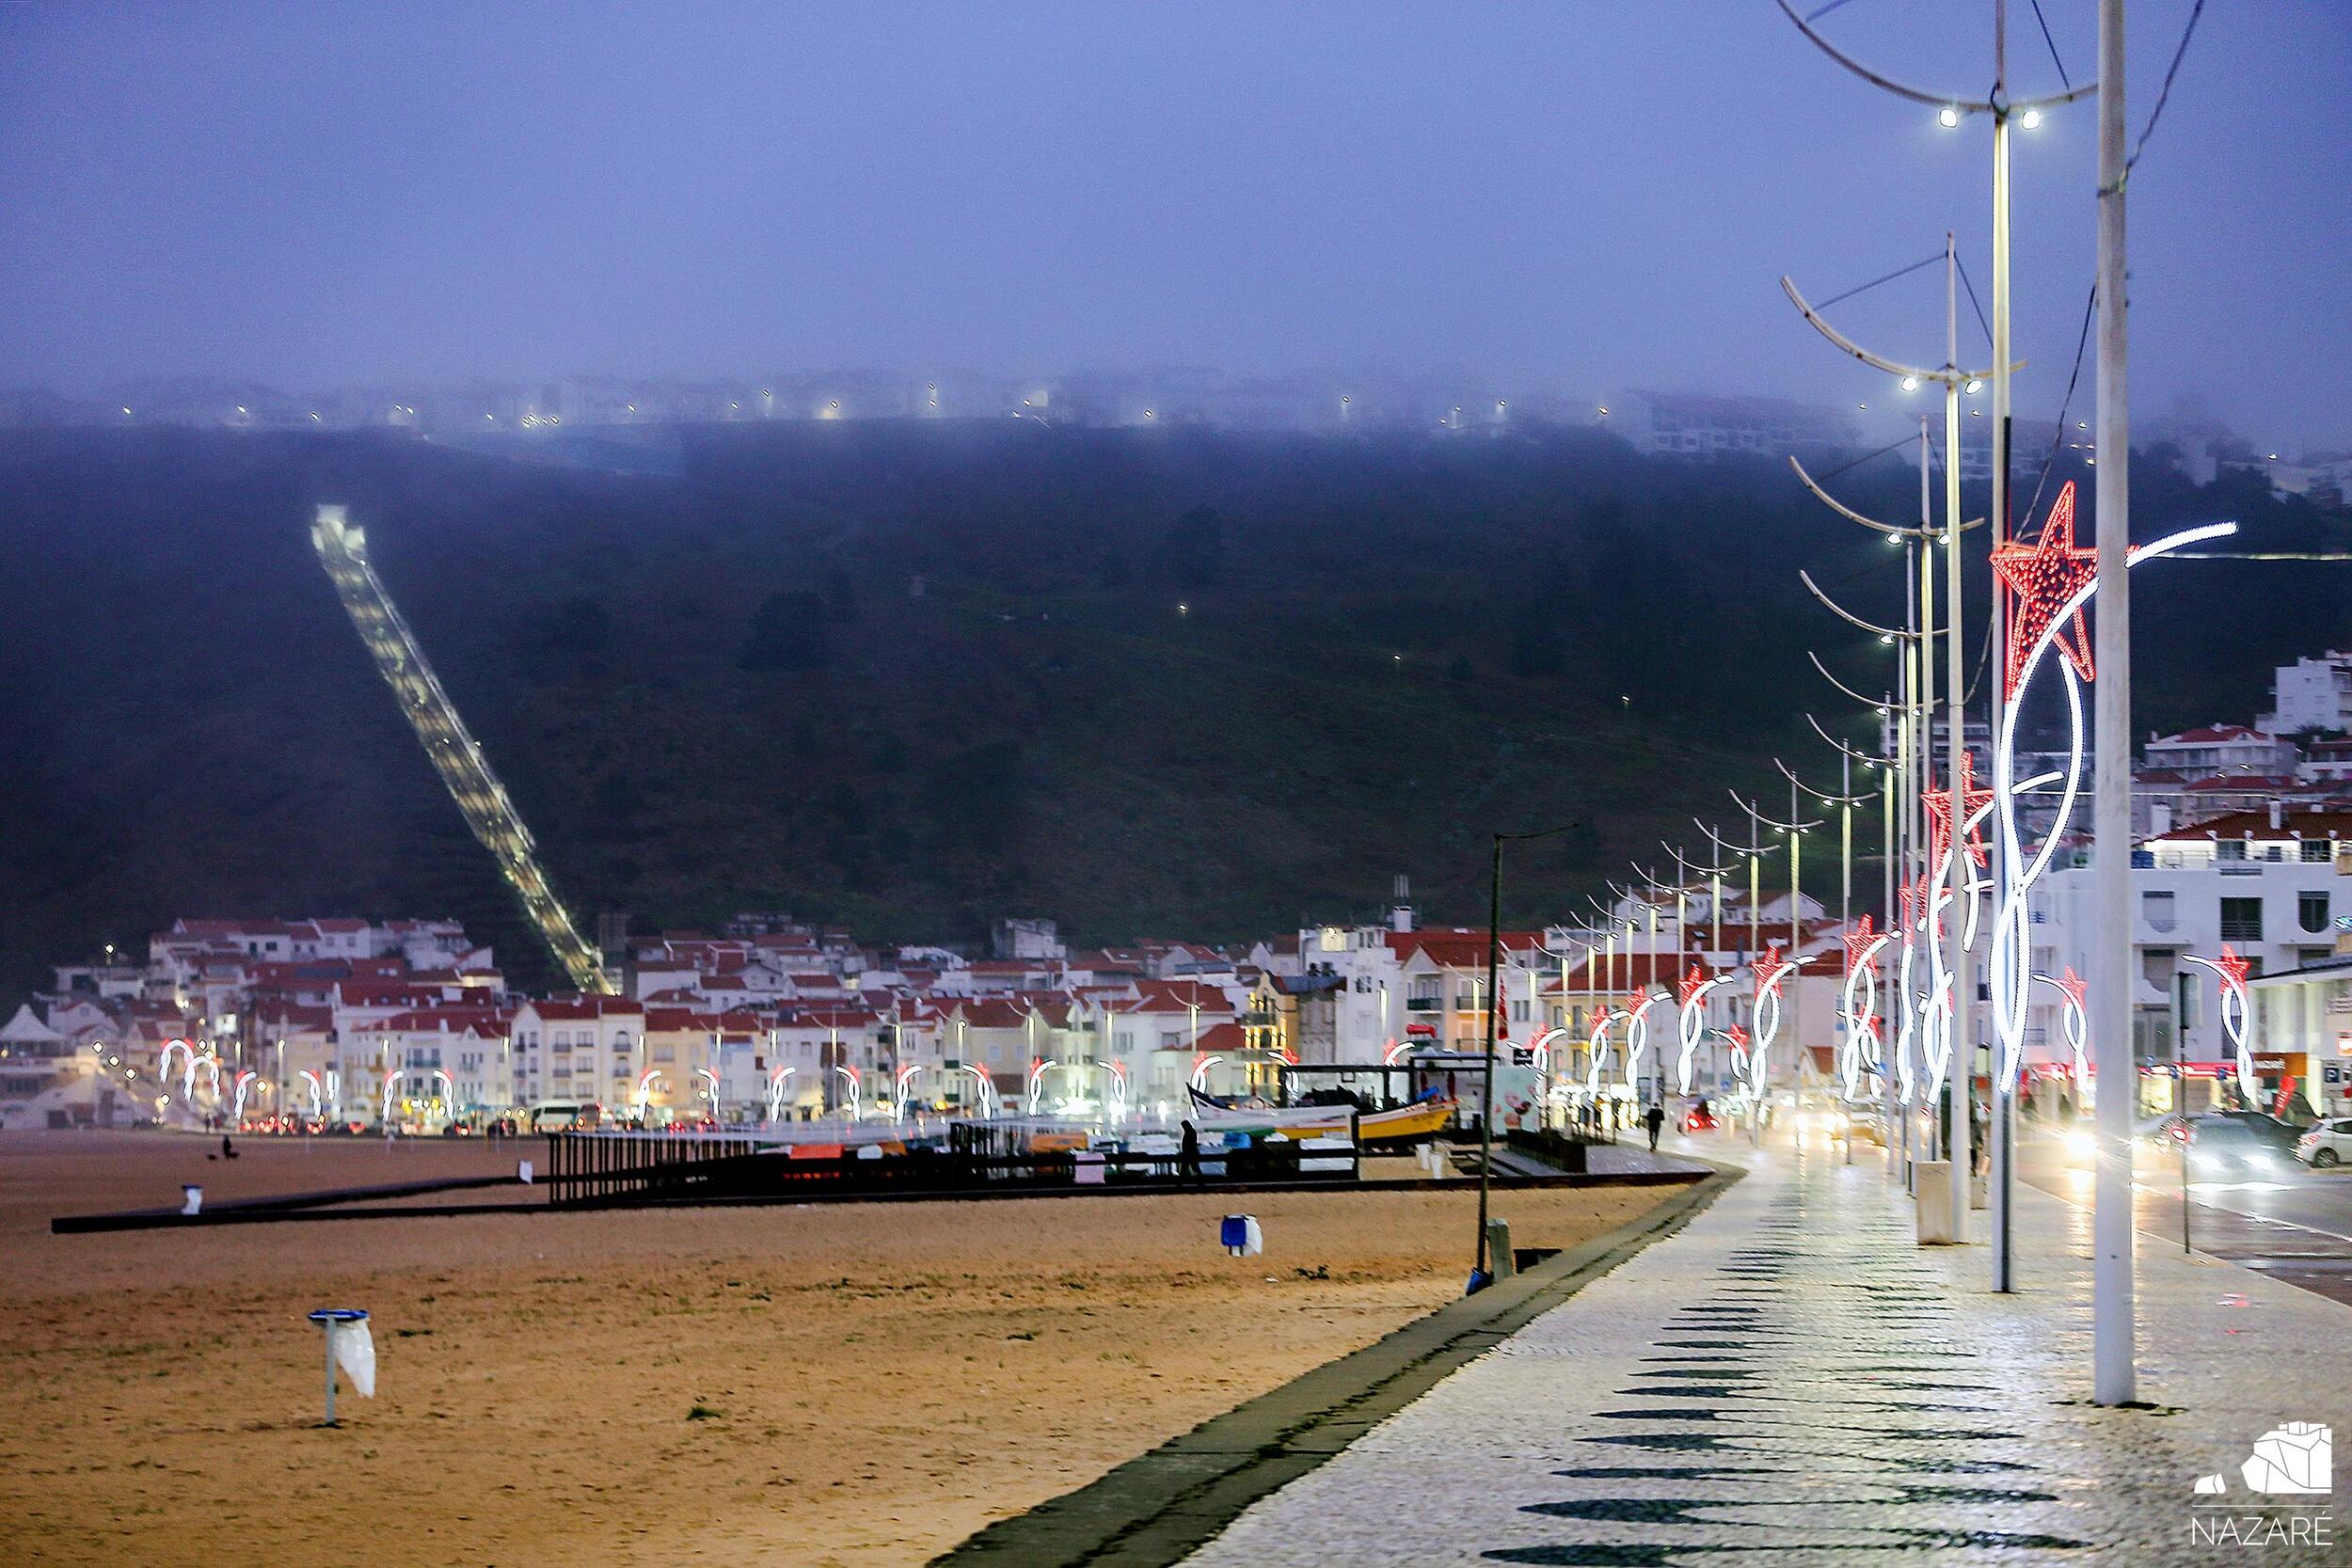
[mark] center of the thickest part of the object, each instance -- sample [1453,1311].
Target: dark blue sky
[1563,194]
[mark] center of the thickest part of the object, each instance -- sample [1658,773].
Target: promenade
[1792,1377]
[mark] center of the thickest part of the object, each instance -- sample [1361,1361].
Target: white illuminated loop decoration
[1597,1049]
[987,1087]
[1201,1065]
[1116,1098]
[776,1081]
[1637,1033]
[2033,575]
[245,1082]
[1769,971]
[2077,1021]
[645,1089]
[710,1086]
[449,1090]
[318,1096]
[1691,1020]
[2236,1019]
[857,1090]
[392,1081]
[1862,1021]
[187,1076]
[1913,1001]
[898,1090]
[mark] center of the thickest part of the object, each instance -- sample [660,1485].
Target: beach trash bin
[350,1346]
[1240,1236]
[1931,1191]
[1090,1168]
[191,1199]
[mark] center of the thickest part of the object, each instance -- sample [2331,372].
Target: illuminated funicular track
[457,755]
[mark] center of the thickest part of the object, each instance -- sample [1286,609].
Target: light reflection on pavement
[2296,1229]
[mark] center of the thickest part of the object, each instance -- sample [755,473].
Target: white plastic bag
[355,1353]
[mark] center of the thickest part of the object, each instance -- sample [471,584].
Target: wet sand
[854,1385]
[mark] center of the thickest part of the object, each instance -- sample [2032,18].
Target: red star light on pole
[2232,969]
[1769,971]
[2076,987]
[1939,804]
[2039,578]
[1860,939]
[1689,987]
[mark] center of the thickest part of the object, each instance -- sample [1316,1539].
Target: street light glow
[1910,384]
[1976,385]
[1948,117]
[2032,120]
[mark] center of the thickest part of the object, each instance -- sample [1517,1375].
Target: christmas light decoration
[1769,971]
[1597,1049]
[1039,1067]
[2236,1017]
[2043,584]
[1690,1023]
[318,1093]
[187,1076]
[1939,808]
[849,1076]
[2048,592]
[1637,1033]
[1859,999]
[775,1092]
[2077,1030]
[1201,1063]
[244,1083]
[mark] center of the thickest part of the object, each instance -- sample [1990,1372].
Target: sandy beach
[853,1385]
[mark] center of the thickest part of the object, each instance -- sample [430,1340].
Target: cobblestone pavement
[1791,1380]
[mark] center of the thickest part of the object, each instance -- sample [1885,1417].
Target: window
[2157,910]
[2241,920]
[2230,849]
[2311,912]
[2318,851]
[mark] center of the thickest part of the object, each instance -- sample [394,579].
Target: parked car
[2221,1148]
[2269,1128]
[2326,1143]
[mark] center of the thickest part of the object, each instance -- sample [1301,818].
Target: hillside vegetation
[908,675]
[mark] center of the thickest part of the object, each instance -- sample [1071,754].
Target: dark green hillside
[908,675]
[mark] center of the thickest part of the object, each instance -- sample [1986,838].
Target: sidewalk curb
[1158,1507]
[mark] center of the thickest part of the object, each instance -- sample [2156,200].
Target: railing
[589,1169]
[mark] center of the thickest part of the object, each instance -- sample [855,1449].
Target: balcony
[1424,1003]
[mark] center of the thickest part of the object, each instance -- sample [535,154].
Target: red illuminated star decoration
[2076,986]
[1688,986]
[2040,577]
[2232,969]
[1770,969]
[1939,804]
[1861,941]
[1739,1038]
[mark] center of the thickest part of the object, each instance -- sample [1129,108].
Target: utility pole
[2114,1374]
[1959,1071]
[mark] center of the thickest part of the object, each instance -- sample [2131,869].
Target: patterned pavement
[1791,1380]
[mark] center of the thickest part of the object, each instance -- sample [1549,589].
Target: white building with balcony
[2312,694]
[2270,885]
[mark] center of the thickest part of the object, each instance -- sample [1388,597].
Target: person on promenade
[1188,1155]
[1655,1120]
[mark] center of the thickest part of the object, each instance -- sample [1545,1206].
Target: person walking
[1655,1120]
[1188,1155]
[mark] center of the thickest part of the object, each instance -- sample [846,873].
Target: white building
[2311,694]
[2269,885]
[2222,748]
